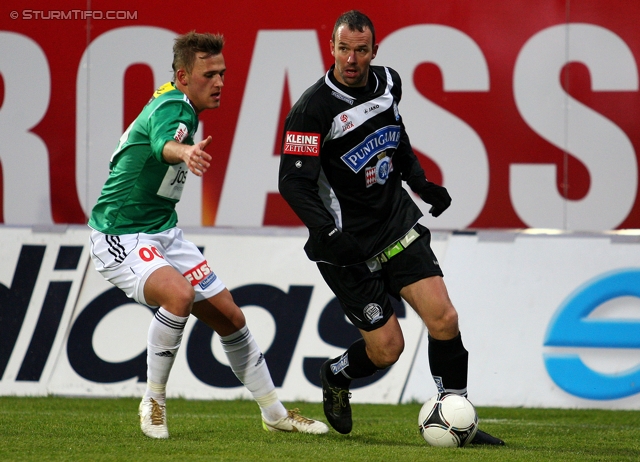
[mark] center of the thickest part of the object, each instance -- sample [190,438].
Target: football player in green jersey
[136,245]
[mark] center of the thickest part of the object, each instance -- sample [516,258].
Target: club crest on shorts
[372,312]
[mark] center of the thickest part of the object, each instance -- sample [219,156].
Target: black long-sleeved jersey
[344,155]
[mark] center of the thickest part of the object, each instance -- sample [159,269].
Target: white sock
[248,364]
[163,341]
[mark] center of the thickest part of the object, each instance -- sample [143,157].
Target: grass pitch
[53,428]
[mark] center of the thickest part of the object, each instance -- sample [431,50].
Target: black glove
[343,246]
[435,195]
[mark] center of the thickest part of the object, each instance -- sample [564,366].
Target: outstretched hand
[198,160]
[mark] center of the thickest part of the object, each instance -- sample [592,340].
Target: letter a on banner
[278,56]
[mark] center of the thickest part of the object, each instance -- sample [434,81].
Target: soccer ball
[448,420]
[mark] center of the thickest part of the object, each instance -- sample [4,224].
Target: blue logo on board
[571,327]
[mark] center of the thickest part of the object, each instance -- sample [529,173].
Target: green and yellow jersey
[142,190]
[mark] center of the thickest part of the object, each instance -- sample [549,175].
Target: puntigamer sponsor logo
[305,144]
[385,138]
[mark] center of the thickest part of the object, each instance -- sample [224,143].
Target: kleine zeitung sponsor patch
[302,144]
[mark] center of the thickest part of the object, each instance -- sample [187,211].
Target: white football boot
[294,422]
[153,418]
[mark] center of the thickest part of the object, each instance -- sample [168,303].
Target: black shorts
[364,295]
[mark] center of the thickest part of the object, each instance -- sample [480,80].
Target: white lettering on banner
[451,142]
[27,91]
[100,103]
[602,147]
[574,128]
[279,56]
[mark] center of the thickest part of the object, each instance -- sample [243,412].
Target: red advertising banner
[528,112]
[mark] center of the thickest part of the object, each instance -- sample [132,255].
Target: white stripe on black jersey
[355,181]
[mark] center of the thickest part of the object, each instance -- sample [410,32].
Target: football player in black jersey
[345,154]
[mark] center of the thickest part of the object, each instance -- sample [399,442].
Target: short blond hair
[187,45]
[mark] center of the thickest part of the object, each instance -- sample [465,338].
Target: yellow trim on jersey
[164,89]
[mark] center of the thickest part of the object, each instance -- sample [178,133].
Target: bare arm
[195,157]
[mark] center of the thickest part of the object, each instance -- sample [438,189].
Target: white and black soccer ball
[448,420]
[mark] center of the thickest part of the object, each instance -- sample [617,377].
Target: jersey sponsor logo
[181,177]
[174,181]
[181,133]
[341,97]
[201,274]
[302,144]
[379,174]
[347,124]
[371,108]
[385,138]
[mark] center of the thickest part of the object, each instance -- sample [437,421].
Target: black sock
[448,361]
[352,364]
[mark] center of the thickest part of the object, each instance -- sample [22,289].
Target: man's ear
[181,76]
[375,51]
[333,48]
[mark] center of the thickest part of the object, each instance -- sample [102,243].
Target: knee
[446,326]
[220,313]
[186,296]
[181,299]
[388,355]
[450,320]
[236,318]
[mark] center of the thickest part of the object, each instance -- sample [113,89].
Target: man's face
[203,86]
[353,51]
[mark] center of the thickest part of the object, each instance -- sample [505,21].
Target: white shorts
[127,261]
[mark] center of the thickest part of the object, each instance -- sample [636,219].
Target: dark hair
[355,20]
[187,45]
